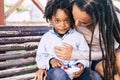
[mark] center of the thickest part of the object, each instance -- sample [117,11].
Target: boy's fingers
[35,78]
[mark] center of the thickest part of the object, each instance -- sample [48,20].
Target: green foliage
[19,9]
[7,6]
[22,9]
[117,0]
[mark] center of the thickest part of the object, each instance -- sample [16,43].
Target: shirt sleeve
[78,54]
[83,52]
[42,57]
[95,55]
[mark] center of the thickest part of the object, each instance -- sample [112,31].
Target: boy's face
[61,21]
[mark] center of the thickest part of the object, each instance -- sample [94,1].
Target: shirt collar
[70,31]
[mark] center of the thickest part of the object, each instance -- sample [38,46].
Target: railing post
[2,19]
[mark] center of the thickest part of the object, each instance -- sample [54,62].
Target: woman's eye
[84,23]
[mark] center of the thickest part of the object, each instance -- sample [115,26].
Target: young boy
[58,13]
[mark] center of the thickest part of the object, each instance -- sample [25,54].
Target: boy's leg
[57,74]
[85,75]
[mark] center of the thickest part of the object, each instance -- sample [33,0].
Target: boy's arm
[42,57]
[40,75]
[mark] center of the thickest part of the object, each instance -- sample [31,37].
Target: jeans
[59,74]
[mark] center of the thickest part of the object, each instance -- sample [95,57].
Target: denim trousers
[60,74]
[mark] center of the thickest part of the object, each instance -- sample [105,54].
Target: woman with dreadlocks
[98,22]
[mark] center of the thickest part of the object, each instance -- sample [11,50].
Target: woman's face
[81,17]
[61,21]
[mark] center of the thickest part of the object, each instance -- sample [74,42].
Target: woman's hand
[56,63]
[64,52]
[78,73]
[40,75]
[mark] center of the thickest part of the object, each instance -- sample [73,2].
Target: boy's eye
[57,21]
[67,21]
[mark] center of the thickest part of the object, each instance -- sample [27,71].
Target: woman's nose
[77,23]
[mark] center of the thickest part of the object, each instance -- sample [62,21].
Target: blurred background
[22,12]
[26,12]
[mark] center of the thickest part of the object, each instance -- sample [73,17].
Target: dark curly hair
[53,5]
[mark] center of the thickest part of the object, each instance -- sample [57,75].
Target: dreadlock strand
[110,41]
[103,35]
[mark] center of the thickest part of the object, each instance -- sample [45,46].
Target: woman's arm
[77,54]
[68,53]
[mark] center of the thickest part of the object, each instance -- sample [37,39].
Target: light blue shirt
[50,39]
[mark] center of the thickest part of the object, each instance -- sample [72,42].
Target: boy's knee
[57,74]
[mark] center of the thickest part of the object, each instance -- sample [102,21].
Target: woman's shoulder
[77,33]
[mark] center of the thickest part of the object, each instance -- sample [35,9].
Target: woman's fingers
[66,45]
[59,51]
[60,48]
[61,54]
[64,52]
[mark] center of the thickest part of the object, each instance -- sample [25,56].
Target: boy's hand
[40,75]
[78,73]
[56,63]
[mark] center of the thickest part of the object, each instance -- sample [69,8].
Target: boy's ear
[50,21]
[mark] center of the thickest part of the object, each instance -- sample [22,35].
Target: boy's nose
[62,23]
